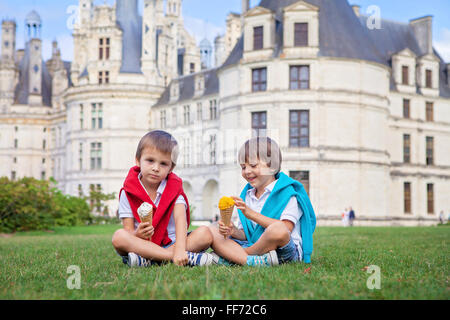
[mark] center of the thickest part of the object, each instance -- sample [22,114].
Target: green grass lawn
[413,264]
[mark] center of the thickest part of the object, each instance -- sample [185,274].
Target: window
[192,67]
[430,147]
[407,197]
[187,152]
[162,115]
[174,116]
[212,149]
[406,148]
[258,38]
[80,190]
[94,116]
[259,79]
[42,175]
[302,177]
[187,114]
[44,144]
[213,109]
[13,175]
[97,116]
[16,143]
[299,128]
[429,111]
[103,49]
[406,109]
[81,116]
[428,78]
[405,75]
[100,116]
[430,198]
[259,124]
[301,34]
[80,156]
[96,155]
[299,77]
[103,77]
[199,111]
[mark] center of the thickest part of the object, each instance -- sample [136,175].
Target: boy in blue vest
[276,218]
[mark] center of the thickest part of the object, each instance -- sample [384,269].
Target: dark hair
[263,149]
[160,140]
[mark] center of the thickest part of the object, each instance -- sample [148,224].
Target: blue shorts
[285,254]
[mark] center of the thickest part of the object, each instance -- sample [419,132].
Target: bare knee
[119,239]
[205,234]
[278,233]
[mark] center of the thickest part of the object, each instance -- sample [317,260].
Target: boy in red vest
[153,181]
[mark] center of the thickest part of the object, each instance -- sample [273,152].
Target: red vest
[136,195]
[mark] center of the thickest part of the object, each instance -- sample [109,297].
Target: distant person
[345,217]
[351,217]
[441,217]
[152,181]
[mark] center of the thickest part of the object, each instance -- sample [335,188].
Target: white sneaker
[200,259]
[135,260]
[266,260]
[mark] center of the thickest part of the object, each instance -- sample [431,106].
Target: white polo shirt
[291,212]
[125,209]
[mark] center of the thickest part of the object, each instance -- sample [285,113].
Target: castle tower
[205,53]
[173,8]
[86,12]
[220,55]
[34,54]
[8,40]
[149,39]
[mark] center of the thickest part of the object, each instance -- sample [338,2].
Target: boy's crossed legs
[275,236]
[124,242]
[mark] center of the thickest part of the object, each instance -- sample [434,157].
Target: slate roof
[394,37]
[341,34]
[129,21]
[187,86]
[21,92]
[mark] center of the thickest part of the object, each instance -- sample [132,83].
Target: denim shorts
[285,254]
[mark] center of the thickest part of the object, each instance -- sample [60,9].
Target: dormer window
[301,34]
[405,75]
[428,79]
[258,38]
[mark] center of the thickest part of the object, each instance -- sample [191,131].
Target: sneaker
[135,260]
[265,260]
[216,259]
[199,259]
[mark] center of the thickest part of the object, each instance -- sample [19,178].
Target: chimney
[356,9]
[423,31]
[245,6]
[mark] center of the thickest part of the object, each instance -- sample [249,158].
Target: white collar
[267,189]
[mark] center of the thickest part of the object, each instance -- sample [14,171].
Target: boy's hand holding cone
[226,206]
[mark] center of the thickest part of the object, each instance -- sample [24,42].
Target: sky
[206,18]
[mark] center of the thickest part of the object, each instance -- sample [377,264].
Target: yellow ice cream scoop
[225,202]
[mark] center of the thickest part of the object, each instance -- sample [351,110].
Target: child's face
[257,173]
[155,166]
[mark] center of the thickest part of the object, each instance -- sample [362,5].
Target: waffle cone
[225,216]
[148,218]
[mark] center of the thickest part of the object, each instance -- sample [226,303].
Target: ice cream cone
[226,206]
[145,212]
